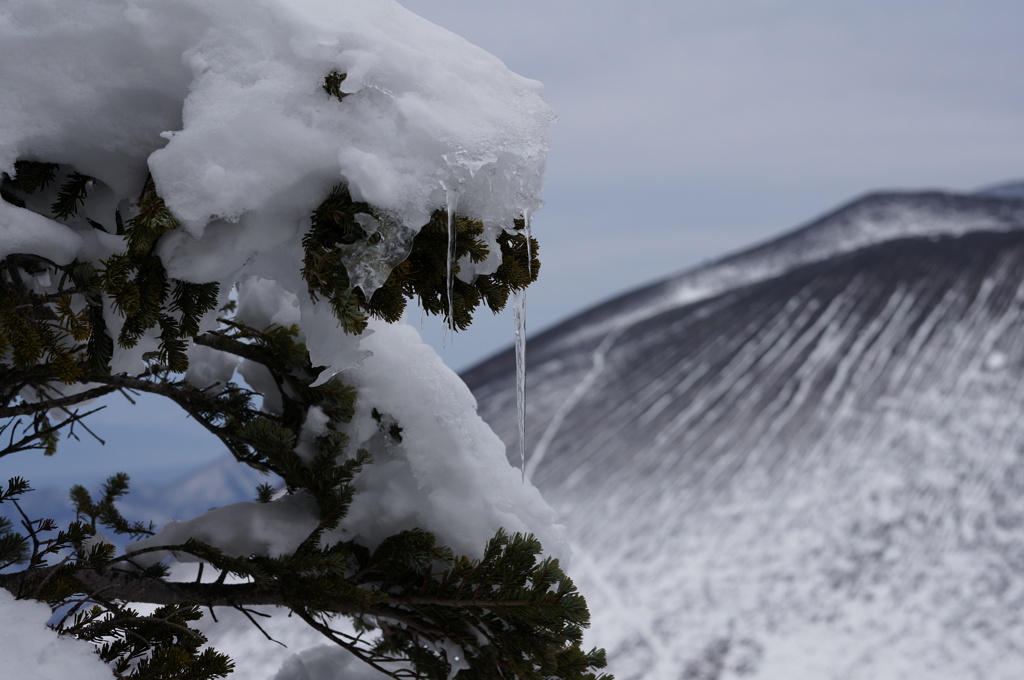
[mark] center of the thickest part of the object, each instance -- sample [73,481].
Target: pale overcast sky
[692,129]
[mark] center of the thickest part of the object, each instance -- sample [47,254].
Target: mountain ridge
[923,213]
[817,472]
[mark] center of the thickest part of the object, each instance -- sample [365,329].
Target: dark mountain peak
[871,219]
[1007,190]
[812,468]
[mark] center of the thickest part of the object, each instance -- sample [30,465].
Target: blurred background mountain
[804,460]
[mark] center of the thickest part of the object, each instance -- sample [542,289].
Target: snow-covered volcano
[803,461]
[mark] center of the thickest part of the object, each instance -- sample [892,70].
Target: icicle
[529,243]
[452,201]
[519,313]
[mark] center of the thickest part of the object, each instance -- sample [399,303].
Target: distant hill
[194,492]
[1012,190]
[803,461]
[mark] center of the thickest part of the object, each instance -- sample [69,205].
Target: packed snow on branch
[222,103]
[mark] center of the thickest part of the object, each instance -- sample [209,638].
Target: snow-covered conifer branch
[231,209]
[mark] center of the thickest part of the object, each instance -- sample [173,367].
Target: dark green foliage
[265,493]
[104,511]
[72,194]
[424,273]
[29,178]
[159,646]
[14,547]
[332,84]
[146,296]
[152,221]
[135,281]
[513,614]
[99,345]
[336,226]
[156,646]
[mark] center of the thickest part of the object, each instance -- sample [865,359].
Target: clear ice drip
[519,312]
[529,242]
[452,201]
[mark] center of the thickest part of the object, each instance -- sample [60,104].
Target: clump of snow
[269,529]
[221,102]
[449,474]
[31,651]
[23,231]
[208,367]
[314,427]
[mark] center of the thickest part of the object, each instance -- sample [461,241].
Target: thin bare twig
[59,403]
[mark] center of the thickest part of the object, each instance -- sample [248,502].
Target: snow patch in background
[326,662]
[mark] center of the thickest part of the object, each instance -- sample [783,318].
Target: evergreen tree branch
[220,341]
[352,645]
[37,437]
[116,584]
[409,598]
[57,403]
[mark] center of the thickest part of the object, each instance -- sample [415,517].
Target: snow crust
[31,651]
[221,100]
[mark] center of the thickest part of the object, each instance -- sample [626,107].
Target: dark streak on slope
[836,447]
[703,354]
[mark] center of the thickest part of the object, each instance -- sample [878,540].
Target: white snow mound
[31,651]
[222,100]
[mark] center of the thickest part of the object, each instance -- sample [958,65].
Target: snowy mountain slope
[816,471]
